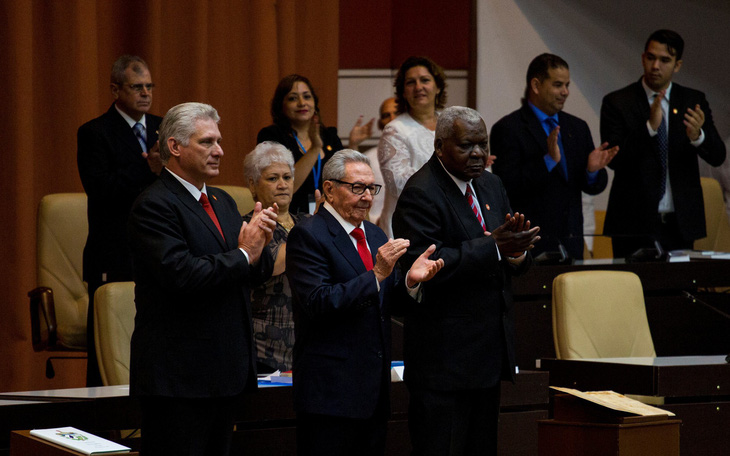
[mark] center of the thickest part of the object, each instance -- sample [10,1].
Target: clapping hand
[360,132]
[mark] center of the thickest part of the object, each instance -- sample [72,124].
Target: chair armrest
[43,319]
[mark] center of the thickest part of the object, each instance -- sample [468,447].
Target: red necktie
[209,209]
[362,248]
[473,204]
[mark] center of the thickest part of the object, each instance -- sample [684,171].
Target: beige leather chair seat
[59,304]
[113,327]
[241,195]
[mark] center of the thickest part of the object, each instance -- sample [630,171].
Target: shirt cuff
[652,132]
[414,292]
[592,176]
[698,142]
[245,254]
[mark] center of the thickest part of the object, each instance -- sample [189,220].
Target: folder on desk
[80,441]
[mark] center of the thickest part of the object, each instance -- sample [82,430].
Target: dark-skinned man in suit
[192,352]
[459,338]
[340,269]
[118,157]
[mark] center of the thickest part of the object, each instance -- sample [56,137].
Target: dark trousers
[454,423]
[93,376]
[667,233]
[187,427]
[324,435]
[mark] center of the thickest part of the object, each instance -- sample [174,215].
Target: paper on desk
[80,441]
[615,401]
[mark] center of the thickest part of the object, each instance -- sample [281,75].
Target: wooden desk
[265,421]
[679,326]
[24,444]
[695,388]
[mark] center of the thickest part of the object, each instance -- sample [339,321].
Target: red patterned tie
[362,248]
[209,209]
[473,204]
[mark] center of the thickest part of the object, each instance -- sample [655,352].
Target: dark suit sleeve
[624,127]
[586,146]
[322,283]
[106,172]
[159,232]
[523,172]
[712,150]
[423,225]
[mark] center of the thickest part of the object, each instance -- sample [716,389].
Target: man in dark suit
[194,261]
[459,339]
[115,164]
[340,268]
[661,128]
[547,158]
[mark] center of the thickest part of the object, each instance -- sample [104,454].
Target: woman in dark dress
[295,113]
[269,171]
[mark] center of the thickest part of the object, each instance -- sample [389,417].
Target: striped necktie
[473,204]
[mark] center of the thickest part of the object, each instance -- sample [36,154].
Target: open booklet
[78,440]
[615,401]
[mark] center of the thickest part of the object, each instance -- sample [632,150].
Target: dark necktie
[209,209]
[141,135]
[663,142]
[362,248]
[473,204]
[552,124]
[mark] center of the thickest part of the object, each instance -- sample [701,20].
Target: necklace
[287,225]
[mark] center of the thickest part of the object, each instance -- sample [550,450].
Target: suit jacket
[461,335]
[635,192]
[113,173]
[330,143]
[192,335]
[342,322]
[546,198]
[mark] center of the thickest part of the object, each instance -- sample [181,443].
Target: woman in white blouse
[407,141]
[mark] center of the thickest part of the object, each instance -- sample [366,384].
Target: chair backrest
[718,227]
[241,195]
[113,326]
[60,238]
[600,314]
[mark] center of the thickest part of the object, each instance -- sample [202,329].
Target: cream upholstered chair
[600,314]
[113,327]
[718,227]
[242,197]
[59,304]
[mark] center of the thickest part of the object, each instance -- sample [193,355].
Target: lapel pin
[329,148]
[674,111]
[487,206]
[214,197]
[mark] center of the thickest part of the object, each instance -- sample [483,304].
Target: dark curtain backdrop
[55,61]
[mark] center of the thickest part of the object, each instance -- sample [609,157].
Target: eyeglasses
[359,188]
[138,87]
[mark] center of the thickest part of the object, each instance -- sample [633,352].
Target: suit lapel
[532,124]
[194,206]
[677,131]
[458,202]
[124,134]
[342,241]
[225,218]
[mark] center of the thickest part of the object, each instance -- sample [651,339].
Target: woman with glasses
[297,126]
[270,170]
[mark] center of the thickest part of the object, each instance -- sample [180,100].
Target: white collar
[131,121]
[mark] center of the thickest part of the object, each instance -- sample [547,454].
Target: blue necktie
[552,124]
[663,142]
[141,136]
